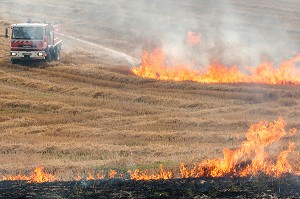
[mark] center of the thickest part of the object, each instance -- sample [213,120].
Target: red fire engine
[35,41]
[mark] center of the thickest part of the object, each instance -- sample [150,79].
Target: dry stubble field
[89,111]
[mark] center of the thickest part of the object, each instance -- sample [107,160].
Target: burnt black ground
[253,187]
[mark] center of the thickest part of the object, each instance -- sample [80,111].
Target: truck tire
[14,61]
[49,56]
[57,55]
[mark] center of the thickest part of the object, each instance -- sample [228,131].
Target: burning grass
[49,114]
[252,158]
[266,151]
[135,122]
[154,65]
[38,176]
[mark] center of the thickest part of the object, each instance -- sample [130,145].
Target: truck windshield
[29,33]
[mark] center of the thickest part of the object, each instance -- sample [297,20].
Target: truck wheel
[14,61]
[57,55]
[49,57]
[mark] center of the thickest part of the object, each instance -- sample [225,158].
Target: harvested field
[76,117]
[90,113]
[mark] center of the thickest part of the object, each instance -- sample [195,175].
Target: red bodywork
[49,42]
[19,45]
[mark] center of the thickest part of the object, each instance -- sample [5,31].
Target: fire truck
[34,41]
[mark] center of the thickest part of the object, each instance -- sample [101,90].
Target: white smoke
[233,32]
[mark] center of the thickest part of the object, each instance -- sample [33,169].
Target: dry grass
[87,113]
[86,117]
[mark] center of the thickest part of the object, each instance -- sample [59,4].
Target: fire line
[154,65]
[252,158]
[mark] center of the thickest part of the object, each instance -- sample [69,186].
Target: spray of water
[117,54]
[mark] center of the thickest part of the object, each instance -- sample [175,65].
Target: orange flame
[89,176]
[153,65]
[38,176]
[112,174]
[252,157]
[99,176]
[138,175]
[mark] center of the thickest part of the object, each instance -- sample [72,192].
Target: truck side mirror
[6,33]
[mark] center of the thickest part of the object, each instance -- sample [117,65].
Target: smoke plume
[232,32]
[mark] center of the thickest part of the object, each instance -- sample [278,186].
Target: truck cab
[35,41]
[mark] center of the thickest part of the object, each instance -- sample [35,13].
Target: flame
[265,151]
[153,65]
[162,175]
[38,176]
[252,157]
[193,38]
[112,174]
[16,178]
[99,176]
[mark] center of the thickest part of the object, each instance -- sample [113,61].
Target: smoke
[233,32]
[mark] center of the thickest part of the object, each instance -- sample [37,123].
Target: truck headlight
[13,54]
[40,54]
